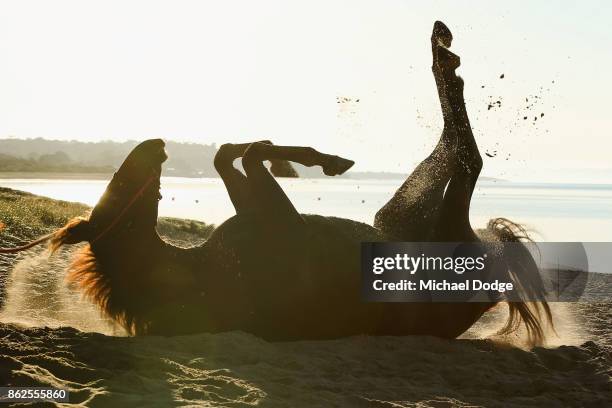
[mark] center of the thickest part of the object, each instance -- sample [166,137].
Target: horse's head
[128,207]
[130,201]
[111,269]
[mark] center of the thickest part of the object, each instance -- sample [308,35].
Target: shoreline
[491,182]
[29,175]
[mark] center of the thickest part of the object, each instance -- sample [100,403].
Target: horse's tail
[524,273]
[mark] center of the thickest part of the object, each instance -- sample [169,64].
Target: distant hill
[57,162]
[184,159]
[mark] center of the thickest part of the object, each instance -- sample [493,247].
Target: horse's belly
[291,284]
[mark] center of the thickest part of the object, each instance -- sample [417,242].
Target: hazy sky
[244,70]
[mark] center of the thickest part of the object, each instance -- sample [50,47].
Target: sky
[238,71]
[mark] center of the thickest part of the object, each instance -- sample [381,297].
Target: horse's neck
[131,249]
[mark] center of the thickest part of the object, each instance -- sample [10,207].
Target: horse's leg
[235,182]
[453,222]
[412,212]
[453,219]
[266,195]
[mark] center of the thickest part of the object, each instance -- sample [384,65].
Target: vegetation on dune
[27,216]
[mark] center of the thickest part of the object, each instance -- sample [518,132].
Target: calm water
[557,212]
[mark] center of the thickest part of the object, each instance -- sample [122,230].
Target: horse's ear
[76,230]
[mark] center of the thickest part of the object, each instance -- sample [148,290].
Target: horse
[279,274]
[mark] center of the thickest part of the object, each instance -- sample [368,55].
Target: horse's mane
[98,283]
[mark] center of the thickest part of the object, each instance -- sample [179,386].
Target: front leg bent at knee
[228,152]
[225,157]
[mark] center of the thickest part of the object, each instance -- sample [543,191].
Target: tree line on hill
[42,155]
[57,162]
[105,157]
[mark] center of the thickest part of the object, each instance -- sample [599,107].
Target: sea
[552,212]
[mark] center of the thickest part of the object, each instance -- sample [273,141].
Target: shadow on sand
[237,369]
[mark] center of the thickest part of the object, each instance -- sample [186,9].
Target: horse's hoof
[336,165]
[441,39]
[441,35]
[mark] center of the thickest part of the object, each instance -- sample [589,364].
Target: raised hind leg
[453,222]
[414,209]
[433,204]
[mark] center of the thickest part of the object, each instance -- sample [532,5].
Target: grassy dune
[26,216]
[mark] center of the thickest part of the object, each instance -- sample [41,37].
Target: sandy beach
[50,336]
